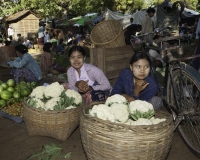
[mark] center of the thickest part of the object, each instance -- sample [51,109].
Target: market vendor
[136,82]
[25,67]
[86,78]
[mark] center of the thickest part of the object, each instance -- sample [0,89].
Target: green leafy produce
[6,95]
[4,85]
[16,94]
[2,103]
[49,152]
[11,89]
[11,82]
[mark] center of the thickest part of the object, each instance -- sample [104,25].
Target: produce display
[12,92]
[61,77]
[54,97]
[118,109]
[14,109]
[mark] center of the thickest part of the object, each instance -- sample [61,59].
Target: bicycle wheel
[187,104]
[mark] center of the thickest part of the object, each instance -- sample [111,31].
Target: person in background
[10,31]
[61,47]
[131,30]
[136,82]
[28,43]
[148,24]
[41,35]
[83,77]
[25,67]
[131,20]
[46,61]
[46,36]
[58,34]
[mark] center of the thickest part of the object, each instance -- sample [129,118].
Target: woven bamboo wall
[111,60]
[25,25]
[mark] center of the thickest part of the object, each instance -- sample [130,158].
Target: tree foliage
[56,8]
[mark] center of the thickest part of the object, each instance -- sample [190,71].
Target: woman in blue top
[25,67]
[136,82]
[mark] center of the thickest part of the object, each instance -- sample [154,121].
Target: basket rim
[25,104]
[117,125]
[115,21]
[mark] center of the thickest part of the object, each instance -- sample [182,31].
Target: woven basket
[55,124]
[108,34]
[107,140]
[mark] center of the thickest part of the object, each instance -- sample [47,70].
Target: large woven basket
[55,124]
[106,140]
[108,34]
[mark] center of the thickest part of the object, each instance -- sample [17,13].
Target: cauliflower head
[53,90]
[143,121]
[35,102]
[130,122]
[102,111]
[38,92]
[140,105]
[117,98]
[50,104]
[75,95]
[157,120]
[120,111]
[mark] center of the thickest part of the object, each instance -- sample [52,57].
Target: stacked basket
[108,34]
[107,140]
[55,124]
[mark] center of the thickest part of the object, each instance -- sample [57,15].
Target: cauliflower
[141,109]
[50,104]
[130,122]
[53,90]
[143,121]
[70,107]
[38,92]
[157,120]
[102,111]
[120,111]
[75,95]
[116,99]
[35,102]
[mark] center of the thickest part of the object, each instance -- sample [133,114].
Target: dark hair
[21,48]
[47,46]
[140,55]
[7,43]
[151,10]
[77,48]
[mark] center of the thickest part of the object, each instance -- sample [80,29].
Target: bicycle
[180,92]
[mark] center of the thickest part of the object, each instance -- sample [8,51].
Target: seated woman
[86,78]
[25,67]
[136,82]
[46,61]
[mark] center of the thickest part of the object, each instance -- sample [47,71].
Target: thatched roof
[17,15]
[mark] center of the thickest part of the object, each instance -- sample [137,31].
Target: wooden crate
[111,60]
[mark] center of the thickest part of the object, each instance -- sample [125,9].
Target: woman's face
[140,69]
[151,14]
[76,60]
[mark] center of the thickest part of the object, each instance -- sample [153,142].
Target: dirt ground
[16,144]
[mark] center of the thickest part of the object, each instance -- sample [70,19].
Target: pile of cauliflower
[54,97]
[117,109]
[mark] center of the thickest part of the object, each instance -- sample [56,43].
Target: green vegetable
[1,89]
[11,89]
[4,85]
[2,103]
[49,152]
[6,95]
[25,92]
[16,94]
[33,84]
[11,82]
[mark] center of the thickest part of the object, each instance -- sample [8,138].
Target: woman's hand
[128,98]
[82,86]
[139,86]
